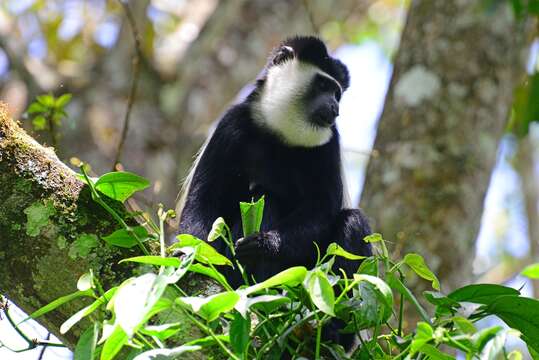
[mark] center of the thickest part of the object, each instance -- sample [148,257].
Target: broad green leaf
[372,238]
[423,335]
[85,349]
[205,254]
[320,291]
[214,274]
[114,344]
[154,260]
[369,266]
[218,230]
[46,100]
[212,306]
[79,315]
[208,340]
[251,216]
[434,353]
[123,238]
[381,290]
[36,107]
[120,185]
[482,293]
[86,281]
[334,249]
[439,299]
[417,263]
[266,302]
[165,354]
[520,313]
[186,264]
[135,299]
[531,271]
[239,333]
[62,101]
[54,304]
[464,325]
[163,331]
[290,277]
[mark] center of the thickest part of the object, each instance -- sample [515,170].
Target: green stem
[318,339]
[118,218]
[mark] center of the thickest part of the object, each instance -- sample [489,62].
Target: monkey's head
[300,91]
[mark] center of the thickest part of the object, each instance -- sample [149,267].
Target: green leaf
[434,353]
[39,123]
[251,216]
[205,254]
[136,298]
[334,249]
[369,266]
[266,302]
[123,238]
[120,185]
[439,299]
[85,349]
[56,303]
[218,230]
[163,331]
[46,100]
[164,354]
[383,291]
[372,238]
[397,284]
[239,333]
[79,315]
[36,108]
[423,335]
[481,293]
[531,271]
[290,277]
[320,291]
[417,263]
[86,281]
[62,101]
[481,338]
[520,313]
[495,347]
[208,340]
[464,325]
[114,344]
[154,260]
[214,274]
[212,306]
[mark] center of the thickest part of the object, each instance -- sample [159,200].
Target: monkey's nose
[334,110]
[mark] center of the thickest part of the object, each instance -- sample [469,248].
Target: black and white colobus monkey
[281,142]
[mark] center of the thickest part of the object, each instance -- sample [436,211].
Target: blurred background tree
[449,102]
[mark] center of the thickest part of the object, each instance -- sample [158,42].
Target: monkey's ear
[283,54]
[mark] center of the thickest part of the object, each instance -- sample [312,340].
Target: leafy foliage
[286,313]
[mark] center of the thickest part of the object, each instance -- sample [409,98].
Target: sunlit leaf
[154,260]
[218,230]
[54,304]
[251,216]
[125,239]
[212,306]
[205,254]
[290,277]
[86,281]
[531,271]
[335,249]
[114,344]
[417,263]
[120,185]
[164,354]
[320,291]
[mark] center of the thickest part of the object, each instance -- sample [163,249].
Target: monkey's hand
[262,244]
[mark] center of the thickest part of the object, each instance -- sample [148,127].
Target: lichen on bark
[435,149]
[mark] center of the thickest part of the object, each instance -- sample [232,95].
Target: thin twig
[134,81]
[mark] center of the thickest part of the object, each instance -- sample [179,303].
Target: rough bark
[49,229]
[448,101]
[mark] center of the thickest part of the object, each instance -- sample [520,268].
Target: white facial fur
[280,110]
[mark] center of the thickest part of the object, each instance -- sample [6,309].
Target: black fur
[302,186]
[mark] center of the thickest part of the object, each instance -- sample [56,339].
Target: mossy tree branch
[50,229]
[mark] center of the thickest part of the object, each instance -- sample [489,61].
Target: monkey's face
[322,100]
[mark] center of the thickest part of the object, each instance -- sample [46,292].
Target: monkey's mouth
[322,120]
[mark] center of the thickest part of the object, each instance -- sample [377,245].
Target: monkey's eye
[323,85]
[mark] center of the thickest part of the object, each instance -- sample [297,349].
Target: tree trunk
[448,101]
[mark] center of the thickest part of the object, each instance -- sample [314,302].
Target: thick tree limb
[49,229]
[449,99]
